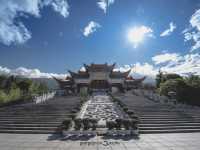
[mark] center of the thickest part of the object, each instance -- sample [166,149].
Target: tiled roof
[99,67]
[118,74]
[80,74]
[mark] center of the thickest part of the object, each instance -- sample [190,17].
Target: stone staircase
[47,117]
[162,118]
[37,118]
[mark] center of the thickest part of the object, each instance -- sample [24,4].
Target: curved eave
[60,81]
[135,80]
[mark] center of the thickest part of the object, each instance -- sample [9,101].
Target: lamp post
[172,96]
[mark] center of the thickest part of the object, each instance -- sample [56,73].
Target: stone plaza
[174,141]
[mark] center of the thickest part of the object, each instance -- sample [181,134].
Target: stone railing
[164,100]
[154,96]
[44,97]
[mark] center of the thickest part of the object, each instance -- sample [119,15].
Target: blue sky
[53,36]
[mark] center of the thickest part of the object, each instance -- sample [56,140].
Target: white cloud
[145,69]
[180,64]
[149,71]
[195,20]
[139,70]
[15,32]
[166,57]
[90,28]
[4,70]
[168,31]
[29,73]
[187,64]
[104,4]
[60,6]
[193,32]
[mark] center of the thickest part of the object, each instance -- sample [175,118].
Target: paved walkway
[101,107]
[181,141]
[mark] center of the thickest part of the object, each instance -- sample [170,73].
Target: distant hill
[51,83]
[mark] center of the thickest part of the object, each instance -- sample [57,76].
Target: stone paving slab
[178,141]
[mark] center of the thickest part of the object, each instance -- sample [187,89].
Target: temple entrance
[99,84]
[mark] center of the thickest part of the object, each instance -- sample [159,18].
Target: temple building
[98,77]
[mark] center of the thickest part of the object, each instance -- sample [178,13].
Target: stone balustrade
[44,97]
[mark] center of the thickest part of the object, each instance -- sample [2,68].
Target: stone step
[170,119]
[31,124]
[170,124]
[156,113]
[29,131]
[162,118]
[160,114]
[169,115]
[27,128]
[35,113]
[52,106]
[168,127]
[34,116]
[34,110]
[31,119]
[169,131]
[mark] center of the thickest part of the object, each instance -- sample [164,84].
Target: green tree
[10,81]
[16,88]
[176,85]
[42,88]
[14,94]
[3,79]
[24,86]
[169,76]
[193,80]
[3,97]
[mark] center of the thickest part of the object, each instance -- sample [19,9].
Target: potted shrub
[66,125]
[82,102]
[73,111]
[129,112]
[77,124]
[118,123]
[94,123]
[113,99]
[86,124]
[121,104]
[72,116]
[134,126]
[125,109]
[135,117]
[126,124]
[110,124]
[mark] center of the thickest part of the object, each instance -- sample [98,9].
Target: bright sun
[136,35]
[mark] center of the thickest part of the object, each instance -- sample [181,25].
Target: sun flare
[136,35]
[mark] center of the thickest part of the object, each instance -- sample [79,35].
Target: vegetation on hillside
[15,88]
[187,88]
